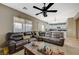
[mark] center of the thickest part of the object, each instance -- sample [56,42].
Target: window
[18,27]
[28,27]
[22,25]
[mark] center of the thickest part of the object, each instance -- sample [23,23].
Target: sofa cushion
[16,36]
[41,33]
[21,42]
[12,42]
[28,33]
[26,37]
[57,34]
[55,39]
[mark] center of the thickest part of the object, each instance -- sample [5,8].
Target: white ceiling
[65,10]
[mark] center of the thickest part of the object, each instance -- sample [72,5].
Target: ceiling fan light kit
[44,9]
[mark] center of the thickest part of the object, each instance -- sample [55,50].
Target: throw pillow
[26,37]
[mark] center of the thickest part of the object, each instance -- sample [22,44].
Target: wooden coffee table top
[39,44]
[33,49]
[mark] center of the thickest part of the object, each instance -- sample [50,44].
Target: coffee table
[31,50]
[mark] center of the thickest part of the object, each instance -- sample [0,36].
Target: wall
[6,21]
[77,25]
[73,31]
[71,28]
[77,28]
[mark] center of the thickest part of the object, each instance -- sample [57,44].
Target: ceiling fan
[44,9]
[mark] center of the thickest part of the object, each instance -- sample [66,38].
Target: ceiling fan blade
[37,8]
[50,4]
[39,13]
[51,10]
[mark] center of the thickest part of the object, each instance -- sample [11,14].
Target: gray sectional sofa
[15,41]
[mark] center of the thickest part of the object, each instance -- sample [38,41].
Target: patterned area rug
[68,50]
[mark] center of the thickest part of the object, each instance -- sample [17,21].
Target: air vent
[24,8]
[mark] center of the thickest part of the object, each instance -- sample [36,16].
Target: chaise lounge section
[15,41]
